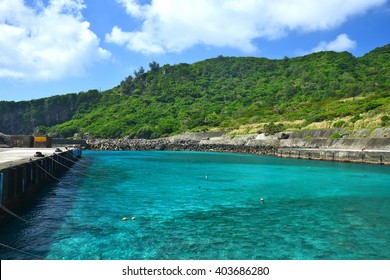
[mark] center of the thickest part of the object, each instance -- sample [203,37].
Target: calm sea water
[190,205]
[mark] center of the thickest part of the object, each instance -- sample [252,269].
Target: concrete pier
[22,172]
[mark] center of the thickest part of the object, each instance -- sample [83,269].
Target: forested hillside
[224,93]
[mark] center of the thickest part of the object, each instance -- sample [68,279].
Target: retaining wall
[375,151]
[21,180]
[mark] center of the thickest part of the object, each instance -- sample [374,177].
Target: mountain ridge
[223,93]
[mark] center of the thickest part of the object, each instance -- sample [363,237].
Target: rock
[261,136]
[256,144]
[282,135]
[344,135]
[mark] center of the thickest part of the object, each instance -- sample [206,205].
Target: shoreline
[367,151]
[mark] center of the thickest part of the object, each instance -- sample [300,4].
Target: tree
[139,73]
[126,86]
[154,66]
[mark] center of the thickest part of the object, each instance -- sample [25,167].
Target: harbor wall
[362,150]
[20,180]
[61,142]
[373,157]
[25,141]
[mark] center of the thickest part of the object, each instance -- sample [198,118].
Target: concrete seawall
[22,174]
[381,157]
[362,150]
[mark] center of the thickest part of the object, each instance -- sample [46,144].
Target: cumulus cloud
[341,43]
[175,25]
[46,42]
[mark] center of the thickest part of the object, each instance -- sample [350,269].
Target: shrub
[355,118]
[385,120]
[335,135]
[339,124]
[272,128]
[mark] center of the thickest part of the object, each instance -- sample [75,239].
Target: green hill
[320,90]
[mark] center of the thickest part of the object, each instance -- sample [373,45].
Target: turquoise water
[204,206]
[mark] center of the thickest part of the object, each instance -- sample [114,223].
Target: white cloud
[133,8]
[341,43]
[175,25]
[46,42]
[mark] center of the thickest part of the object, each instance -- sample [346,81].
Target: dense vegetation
[225,93]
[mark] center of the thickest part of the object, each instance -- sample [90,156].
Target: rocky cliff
[26,116]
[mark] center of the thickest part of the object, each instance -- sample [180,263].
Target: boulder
[282,135]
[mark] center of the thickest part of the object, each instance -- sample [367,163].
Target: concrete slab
[14,156]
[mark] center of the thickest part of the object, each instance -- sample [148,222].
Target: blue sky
[50,47]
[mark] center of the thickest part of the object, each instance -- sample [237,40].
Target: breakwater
[315,145]
[21,176]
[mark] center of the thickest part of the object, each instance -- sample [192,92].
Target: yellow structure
[42,142]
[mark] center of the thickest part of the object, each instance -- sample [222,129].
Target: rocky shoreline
[316,145]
